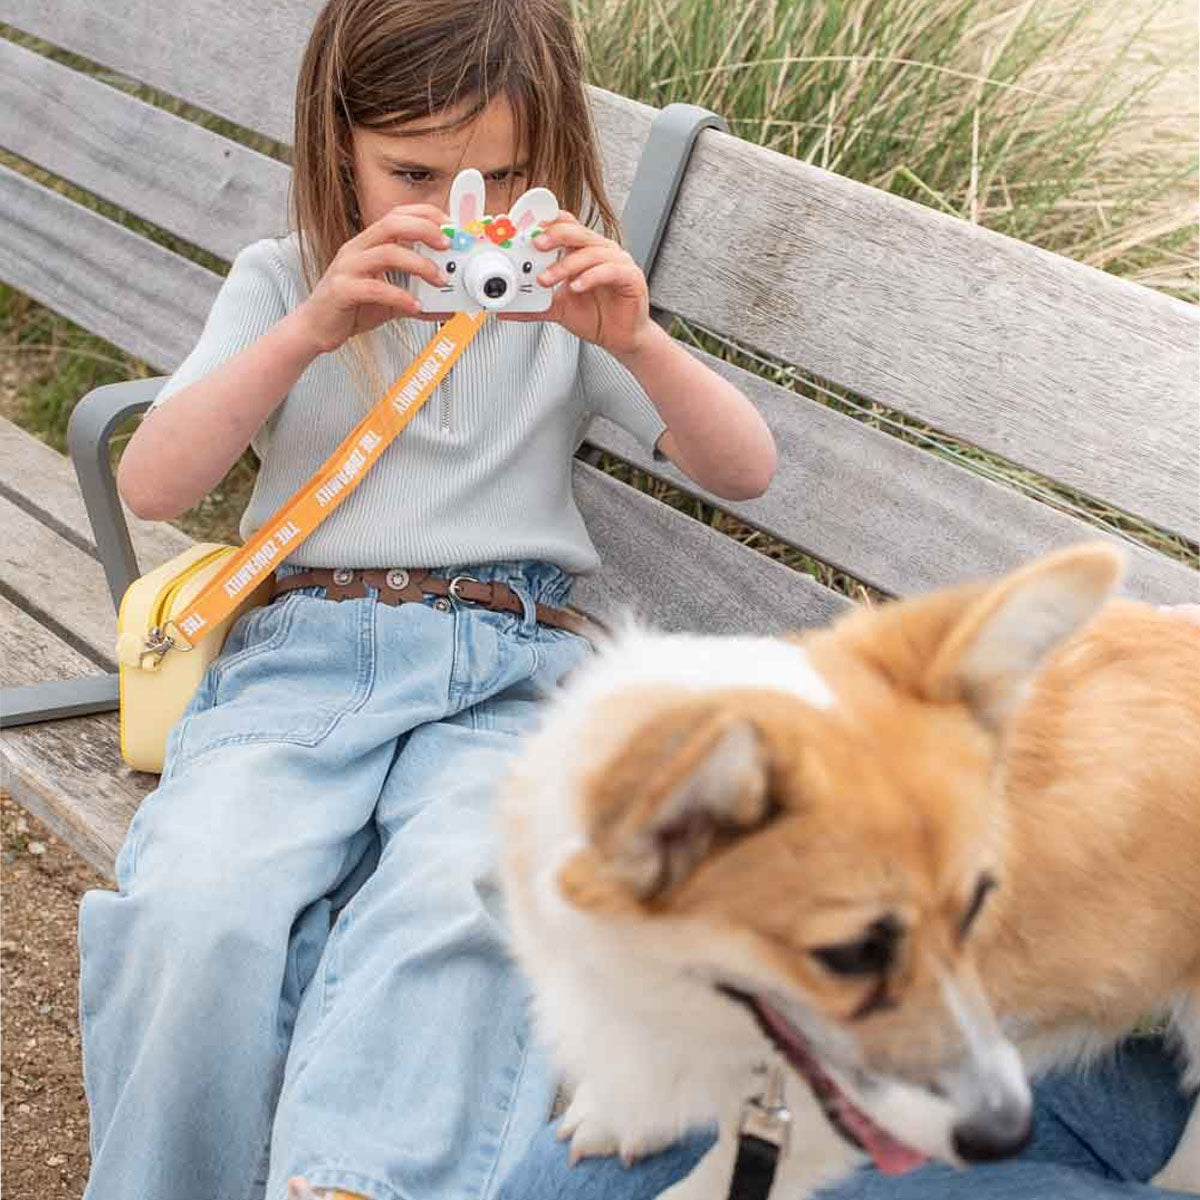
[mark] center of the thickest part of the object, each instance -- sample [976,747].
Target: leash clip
[764,1132]
[766,1115]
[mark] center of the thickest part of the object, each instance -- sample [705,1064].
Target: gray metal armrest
[88,434]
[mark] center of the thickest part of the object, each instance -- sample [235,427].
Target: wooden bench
[1075,376]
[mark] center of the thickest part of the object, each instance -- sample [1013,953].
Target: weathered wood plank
[670,570]
[891,514]
[68,774]
[131,292]
[214,193]
[234,59]
[50,577]
[1080,376]
[39,479]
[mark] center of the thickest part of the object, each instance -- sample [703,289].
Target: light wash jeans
[1098,1135]
[231,1038]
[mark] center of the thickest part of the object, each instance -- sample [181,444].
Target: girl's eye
[414,178]
[869,955]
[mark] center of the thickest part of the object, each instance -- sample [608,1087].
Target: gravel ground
[44,1126]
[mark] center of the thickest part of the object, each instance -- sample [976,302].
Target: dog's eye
[869,955]
[987,881]
[527,267]
[451,267]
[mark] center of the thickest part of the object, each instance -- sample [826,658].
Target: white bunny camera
[492,262]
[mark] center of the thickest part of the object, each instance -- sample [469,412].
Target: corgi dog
[911,857]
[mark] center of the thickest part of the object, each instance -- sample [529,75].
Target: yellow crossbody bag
[172,621]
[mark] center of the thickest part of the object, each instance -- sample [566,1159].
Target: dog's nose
[999,1133]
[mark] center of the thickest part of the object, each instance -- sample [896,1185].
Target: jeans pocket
[290,675]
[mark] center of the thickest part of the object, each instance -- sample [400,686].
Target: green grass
[1071,126]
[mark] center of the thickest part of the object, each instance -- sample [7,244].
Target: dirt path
[44,1127]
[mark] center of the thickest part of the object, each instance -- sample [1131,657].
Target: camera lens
[490,278]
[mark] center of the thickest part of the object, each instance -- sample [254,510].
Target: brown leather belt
[399,586]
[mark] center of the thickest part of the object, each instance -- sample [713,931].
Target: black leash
[762,1137]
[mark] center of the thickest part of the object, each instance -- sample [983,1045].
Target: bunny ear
[467,195]
[538,206]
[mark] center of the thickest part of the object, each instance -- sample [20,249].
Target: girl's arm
[186,445]
[183,449]
[714,434]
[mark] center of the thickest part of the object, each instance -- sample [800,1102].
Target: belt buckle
[455,583]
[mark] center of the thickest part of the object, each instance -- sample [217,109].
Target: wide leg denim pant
[231,1037]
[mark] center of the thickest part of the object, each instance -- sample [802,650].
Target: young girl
[232,1039]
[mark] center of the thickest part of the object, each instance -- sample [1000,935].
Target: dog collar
[763,1134]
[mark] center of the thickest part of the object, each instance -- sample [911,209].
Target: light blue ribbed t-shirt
[481,474]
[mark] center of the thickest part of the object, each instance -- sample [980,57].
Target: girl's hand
[353,296]
[603,297]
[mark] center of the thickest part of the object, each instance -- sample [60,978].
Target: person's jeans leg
[191,971]
[413,1074]
[1099,1135]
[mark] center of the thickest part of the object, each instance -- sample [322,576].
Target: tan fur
[940,762]
[1087,809]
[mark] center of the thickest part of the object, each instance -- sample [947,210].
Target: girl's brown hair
[379,64]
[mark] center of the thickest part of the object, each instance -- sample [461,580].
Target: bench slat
[214,193]
[122,287]
[673,572]
[48,576]
[199,53]
[1041,360]
[68,774]
[41,480]
[893,515]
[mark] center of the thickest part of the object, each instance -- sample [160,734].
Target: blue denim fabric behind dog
[225,1027]
[1099,1134]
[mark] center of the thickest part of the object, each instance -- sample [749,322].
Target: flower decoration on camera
[499,230]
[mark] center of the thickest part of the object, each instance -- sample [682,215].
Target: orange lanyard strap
[338,476]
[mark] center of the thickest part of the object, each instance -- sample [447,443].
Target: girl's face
[417,163]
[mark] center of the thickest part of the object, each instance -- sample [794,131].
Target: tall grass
[1071,125]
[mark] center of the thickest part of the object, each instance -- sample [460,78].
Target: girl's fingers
[405,226]
[379,291]
[578,261]
[607,274]
[390,257]
[571,234]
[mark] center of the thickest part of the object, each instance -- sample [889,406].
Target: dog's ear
[992,651]
[684,779]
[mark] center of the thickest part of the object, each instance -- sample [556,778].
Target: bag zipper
[164,601]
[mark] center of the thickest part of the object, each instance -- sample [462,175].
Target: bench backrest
[1071,374]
